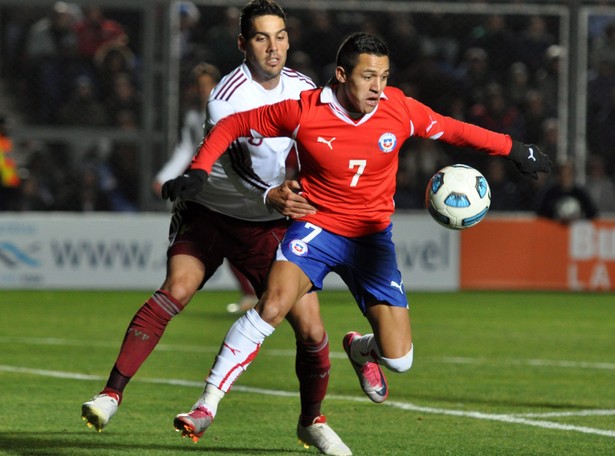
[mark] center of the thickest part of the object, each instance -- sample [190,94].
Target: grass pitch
[494,374]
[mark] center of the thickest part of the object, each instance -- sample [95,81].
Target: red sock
[312,367]
[142,336]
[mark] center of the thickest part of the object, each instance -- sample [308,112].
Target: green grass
[483,362]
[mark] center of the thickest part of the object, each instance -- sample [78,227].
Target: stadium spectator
[401,29]
[549,140]
[123,177]
[504,191]
[535,113]
[43,180]
[473,75]
[418,160]
[600,186]
[83,107]
[110,60]
[548,76]
[204,77]
[498,41]
[221,42]
[352,182]
[10,182]
[497,114]
[51,59]
[603,46]
[518,84]
[320,33]
[232,218]
[601,113]
[95,31]
[435,83]
[84,192]
[189,16]
[534,42]
[564,200]
[123,97]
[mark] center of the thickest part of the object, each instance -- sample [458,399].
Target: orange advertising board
[538,254]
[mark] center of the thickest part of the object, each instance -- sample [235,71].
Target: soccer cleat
[372,379]
[193,424]
[98,411]
[320,435]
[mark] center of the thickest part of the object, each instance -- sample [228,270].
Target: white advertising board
[117,251]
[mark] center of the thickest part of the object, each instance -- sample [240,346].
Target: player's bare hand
[287,200]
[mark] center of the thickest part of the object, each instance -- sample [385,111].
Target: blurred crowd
[79,66]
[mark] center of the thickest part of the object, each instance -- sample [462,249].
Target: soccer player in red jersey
[348,135]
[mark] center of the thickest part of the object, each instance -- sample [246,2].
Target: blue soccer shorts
[366,264]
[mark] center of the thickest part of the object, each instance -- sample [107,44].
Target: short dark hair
[257,8]
[359,43]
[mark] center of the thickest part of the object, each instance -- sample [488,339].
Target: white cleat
[194,423]
[98,411]
[320,435]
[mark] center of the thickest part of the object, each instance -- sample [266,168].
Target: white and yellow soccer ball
[458,197]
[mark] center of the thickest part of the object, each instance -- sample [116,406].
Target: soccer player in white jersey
[233,218]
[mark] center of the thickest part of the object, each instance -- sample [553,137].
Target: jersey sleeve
[427,123]
[271,121]
[218,109]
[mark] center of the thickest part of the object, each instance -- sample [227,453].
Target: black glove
[185,186]
[529,160]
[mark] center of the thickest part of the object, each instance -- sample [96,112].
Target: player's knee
[181,292]
[402,364]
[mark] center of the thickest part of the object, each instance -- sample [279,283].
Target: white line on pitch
[291,353]
[506,418]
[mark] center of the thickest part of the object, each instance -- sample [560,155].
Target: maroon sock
[312,367]
[143,334]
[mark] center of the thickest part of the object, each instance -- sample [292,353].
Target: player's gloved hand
[529,159]
[186,186]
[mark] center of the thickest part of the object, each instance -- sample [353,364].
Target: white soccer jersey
[241,176]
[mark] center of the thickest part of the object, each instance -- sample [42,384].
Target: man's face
[359,91]
[266,48]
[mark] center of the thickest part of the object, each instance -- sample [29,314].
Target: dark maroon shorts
[211,237]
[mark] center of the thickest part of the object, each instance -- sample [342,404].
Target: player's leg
[285,286]
[184,277]
[313,367]
[186,273]
[379,291]
[390,345]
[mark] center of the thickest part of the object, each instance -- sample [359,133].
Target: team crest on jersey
[298,247]
[387,142]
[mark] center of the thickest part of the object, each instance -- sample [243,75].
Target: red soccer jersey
[348,167]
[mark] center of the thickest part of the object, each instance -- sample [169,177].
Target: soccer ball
[458,197]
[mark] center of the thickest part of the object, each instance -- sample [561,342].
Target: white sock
[240,347]
[210,398]
[400,364]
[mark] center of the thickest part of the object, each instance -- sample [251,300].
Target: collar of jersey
[276,90]
[327,96]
